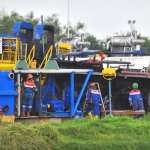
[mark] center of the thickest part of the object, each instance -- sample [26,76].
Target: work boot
[27,113]
[96,117]
[90,115]
[23,114]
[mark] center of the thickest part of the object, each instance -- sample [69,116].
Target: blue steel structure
[7,92]
[57,105]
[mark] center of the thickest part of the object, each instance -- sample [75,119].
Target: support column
[82,90]
[39,94]
[110,103]
[18,102]
[72,94]
[148,101]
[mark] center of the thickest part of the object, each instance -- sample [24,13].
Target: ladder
[101,99]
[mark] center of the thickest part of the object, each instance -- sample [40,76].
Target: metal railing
[30,56]
[47,56]
[11,50]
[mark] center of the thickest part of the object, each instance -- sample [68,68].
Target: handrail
[31,55]
[26,48]
[47,56]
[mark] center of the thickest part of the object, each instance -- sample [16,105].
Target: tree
[29,17]
[7,21]
[54,21]
[95,44]
[146,45]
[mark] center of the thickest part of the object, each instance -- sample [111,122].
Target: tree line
[7,20]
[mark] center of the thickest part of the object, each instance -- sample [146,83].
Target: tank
[125,41]
[76,42]
[121,41]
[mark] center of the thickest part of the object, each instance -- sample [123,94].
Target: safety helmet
[135,85]
[29,76]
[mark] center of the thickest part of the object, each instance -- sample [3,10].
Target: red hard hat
[29,76]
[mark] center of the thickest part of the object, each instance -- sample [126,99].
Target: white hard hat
[92,84]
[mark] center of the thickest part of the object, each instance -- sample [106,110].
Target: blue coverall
[136,100]
[94,105]
[28,87]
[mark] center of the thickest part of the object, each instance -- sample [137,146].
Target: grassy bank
[109,133]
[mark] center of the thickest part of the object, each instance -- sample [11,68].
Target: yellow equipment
[32,63]
[11,53]
[109,73]
[64,49]
[7,118]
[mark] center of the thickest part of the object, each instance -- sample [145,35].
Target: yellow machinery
[12,49]
[64,49]
[29,59]
[47,62]
[109,74]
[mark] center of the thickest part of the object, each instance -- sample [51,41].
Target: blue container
[7,92]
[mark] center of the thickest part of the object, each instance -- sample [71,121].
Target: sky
[103,18]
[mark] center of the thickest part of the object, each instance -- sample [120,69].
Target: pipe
[10,75]
[53,71]
[83,43]
[135,34]
[68,19]
[108,45]
[110,105]
[40,95]
[137,41]
[18,102]
[42,35]
[72,93]
[82,90]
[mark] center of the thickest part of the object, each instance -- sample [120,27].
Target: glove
[130,104]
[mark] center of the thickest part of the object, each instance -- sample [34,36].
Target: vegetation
[109,133]
[7,21]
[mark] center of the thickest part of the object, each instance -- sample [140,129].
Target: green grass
[109,133]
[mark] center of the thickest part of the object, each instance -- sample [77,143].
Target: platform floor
[36,119]
[124,112]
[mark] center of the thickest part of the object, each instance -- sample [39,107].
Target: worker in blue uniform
[92,101]
[135,99]
[29,88]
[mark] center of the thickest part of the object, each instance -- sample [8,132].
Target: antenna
[68,19]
